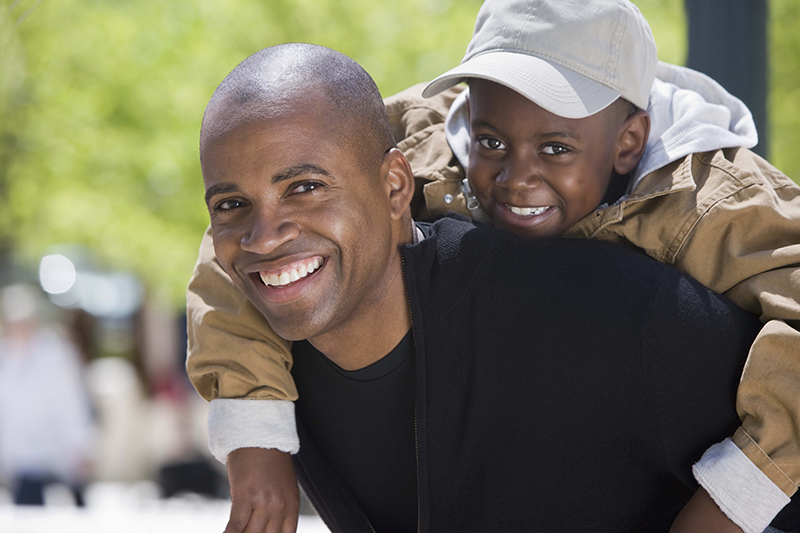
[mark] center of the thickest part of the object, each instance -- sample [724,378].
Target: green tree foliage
[784,95]
[101,103]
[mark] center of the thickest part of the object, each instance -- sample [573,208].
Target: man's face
[299,224]
[534,172]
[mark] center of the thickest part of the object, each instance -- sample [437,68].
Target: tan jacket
[727,218]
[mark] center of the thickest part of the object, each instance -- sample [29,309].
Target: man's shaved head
[280,80]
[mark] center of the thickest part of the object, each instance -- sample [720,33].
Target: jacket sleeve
[754,236]
[418,126]
[232,351]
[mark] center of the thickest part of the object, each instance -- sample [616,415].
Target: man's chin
[291,326]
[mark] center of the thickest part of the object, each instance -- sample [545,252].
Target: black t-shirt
[363,422]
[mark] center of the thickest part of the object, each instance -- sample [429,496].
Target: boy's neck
[616,188]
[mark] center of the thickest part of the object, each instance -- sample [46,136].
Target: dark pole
[728,41]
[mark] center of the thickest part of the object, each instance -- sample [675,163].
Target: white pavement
[115,508]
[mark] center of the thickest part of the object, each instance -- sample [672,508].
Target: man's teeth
[288,276]
[528,211]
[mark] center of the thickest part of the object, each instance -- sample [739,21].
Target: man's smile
[291,272]
[288,282]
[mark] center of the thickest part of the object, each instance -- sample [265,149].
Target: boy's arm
[747,246]
[264,493]
[234,358]
[701,515]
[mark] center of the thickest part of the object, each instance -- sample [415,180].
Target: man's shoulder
[460,253]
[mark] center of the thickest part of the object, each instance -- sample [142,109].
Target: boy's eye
[555,149]
[491,143]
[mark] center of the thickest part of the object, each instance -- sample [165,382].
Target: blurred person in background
[46,423]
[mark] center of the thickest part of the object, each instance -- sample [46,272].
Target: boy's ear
[399,181]
[632,141]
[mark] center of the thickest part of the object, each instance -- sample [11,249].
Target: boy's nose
[520,176]
[268,232]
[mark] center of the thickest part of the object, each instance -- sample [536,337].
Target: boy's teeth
[289,276]
[527,211]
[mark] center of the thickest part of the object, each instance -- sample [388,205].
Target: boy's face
[299,224]
[534,172]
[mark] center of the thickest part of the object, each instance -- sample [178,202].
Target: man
[542,382]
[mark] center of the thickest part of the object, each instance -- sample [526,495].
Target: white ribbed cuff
[236,423]
[744,493]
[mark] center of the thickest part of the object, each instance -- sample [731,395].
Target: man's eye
[491,143]
[228,205]
[555,149]
[306,186]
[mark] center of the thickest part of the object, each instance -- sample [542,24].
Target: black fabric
[560,385]
[364,422]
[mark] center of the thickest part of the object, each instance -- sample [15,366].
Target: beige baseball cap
[571,57]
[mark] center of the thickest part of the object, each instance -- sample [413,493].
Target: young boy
[572,128]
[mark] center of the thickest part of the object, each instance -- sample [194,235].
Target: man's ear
[631,142]
[399,182]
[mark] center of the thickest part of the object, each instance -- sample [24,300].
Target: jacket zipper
[416,433]
[416,439]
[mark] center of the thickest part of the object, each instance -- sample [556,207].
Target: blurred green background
[101,103]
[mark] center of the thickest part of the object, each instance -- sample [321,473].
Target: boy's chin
[548,228]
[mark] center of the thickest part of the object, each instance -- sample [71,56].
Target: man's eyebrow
[221,188]
[299,170]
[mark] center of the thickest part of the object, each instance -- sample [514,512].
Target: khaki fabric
[727,218]
[232,351]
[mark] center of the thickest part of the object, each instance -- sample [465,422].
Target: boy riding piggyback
[571,127]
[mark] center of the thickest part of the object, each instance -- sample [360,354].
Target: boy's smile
[534,172]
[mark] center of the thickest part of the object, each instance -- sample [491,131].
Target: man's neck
[382,321]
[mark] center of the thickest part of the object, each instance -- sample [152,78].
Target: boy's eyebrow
[298,170]
[570,134]
[480,123]
[221,188]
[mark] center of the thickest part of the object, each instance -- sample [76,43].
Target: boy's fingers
[275,516]
[262,518]
[240,516]
[290,524]
[260,522]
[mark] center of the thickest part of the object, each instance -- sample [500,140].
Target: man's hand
[264,492]
[701,515]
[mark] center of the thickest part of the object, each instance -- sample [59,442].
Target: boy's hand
[702,515]
[264,492]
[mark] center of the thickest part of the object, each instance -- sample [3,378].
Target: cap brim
[556,88]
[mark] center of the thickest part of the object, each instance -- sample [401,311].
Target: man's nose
[268,232]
